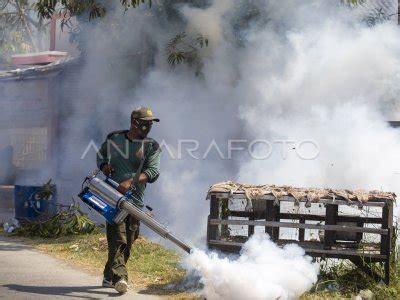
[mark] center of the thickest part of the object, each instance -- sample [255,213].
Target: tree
[352,2]
[21,30]
[181,48]
[94,9]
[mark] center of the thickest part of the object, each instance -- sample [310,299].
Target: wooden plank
[387,261]
[209,237]
[214,214]
[275,233]
[331,212]
[359,235]
[391,244]
[386,244]
[365,220]
[366,247]
[250,230]
[301,230]
[390,226]
[298,225]
[224,214]
[377,203]
[313,251]
[344,253]
[228,243]
[309,217]
[269,216]
[385,225]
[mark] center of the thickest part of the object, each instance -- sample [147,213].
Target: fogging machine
[103,197]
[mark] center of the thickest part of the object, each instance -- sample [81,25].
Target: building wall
[27,124]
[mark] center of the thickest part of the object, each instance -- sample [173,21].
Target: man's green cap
[144,113]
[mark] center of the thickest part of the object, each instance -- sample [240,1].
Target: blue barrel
[29,206]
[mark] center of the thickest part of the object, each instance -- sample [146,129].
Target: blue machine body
[104,198]
[99,205]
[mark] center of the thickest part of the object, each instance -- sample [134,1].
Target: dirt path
[28,274]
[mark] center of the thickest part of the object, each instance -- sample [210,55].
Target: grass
[340,279]
[152,268]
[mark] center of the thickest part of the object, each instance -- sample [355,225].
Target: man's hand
[125,186]
[106,170]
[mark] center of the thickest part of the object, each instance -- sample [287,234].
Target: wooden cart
[353,225]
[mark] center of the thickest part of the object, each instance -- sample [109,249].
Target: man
[119,158]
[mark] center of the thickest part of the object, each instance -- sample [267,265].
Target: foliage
[69,221]
[46,8]
[11,43]
[184,49]
[341,278]
[352,2]
[134,3]
[66,8]
[20,32]
[46,191]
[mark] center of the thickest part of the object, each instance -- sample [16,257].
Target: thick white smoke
[274,70]
[263,271]
[324,77]
[337,87]
[310,71]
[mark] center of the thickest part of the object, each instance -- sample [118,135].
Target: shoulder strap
[142,159]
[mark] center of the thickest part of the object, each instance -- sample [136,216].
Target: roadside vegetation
[154,269]
[340,279]
[72,237]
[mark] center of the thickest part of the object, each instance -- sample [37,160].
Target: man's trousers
[120,239]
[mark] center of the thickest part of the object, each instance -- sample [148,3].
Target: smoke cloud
[311,71]
[263,271]
[275,70]
[337,87]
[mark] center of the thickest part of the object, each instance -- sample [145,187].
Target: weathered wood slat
[212,231]
[377,203]
[345,253]
[310,217]
[367,247]
[301,230]
[330,219]
[337,252]
[299,225]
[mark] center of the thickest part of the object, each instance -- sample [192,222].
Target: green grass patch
[340,279]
